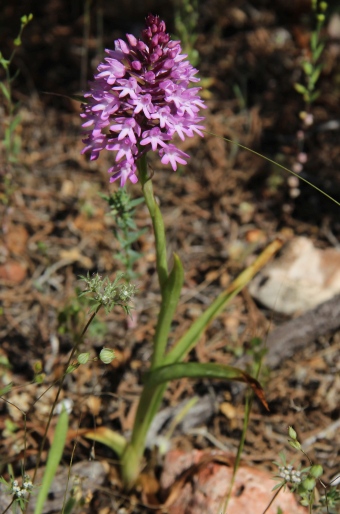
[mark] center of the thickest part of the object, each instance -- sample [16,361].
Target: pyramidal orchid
[140,100]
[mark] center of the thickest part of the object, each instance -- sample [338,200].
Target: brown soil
[220,211]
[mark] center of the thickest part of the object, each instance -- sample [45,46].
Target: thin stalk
[275,164]
[59,389]
[248,407]
[8,507]
[272,500]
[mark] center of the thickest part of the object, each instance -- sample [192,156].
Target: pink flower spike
[140,100]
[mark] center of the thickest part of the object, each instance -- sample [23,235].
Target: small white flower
[67,403]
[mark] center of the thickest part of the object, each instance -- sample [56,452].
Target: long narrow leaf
[190,338]
[5,91]
[53,459]
[178,370]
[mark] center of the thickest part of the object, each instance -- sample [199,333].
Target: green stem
[149,403]
[170,296]
[157,222]
[170,286]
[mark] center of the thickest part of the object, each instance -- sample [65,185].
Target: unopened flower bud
[308,484]
[316,471]
[291,432]
[107,355]
[83,358]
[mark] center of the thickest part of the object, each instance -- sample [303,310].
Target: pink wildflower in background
[140,99]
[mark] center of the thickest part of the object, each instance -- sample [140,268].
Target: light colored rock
[206,487]
[301,278]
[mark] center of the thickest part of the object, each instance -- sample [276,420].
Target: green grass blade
[53,459]
[276,164]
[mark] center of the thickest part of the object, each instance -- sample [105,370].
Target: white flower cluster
[21,492]
[289,474]
[108,293]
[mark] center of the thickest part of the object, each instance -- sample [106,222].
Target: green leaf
[15,122]
[179,370]
[314,41]
[14,76]
[6,389]
[39,379]
[106,436]
[190,338]
[277,486]
[78,98]
[136,201]
[5,91]
[314,96]
[318,51]
[316,74]
[307,67]
[70,505]
[53,459]
[300,88]
[131,238]
[26,18]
